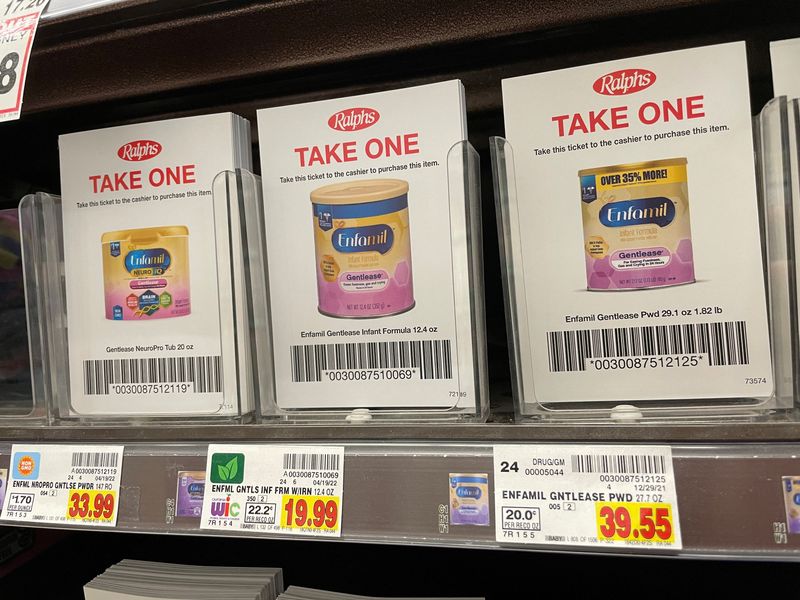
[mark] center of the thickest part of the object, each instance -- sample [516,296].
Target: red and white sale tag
[18,22]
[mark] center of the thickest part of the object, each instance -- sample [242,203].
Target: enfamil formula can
[636,225]
[363,248]
[146,273]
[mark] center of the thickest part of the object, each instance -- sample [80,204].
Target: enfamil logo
[26,465]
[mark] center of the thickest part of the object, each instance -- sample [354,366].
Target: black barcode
[725,343]
[311,462]
[94,459]
[616,463]
[431,357]
[205,372]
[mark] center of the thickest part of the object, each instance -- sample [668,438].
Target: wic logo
[624,81]
[353,119]
[227,468]
[139,150]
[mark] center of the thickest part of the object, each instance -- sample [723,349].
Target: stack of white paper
[131,579]
[301,593]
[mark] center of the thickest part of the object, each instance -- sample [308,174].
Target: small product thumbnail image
[636,225]
[146,273]
[791,498]
[469,499]
[363,248]
[191,487]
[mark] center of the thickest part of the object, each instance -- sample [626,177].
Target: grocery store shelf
[768,431]
[730,496]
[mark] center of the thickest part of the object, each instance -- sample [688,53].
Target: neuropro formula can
[146,273]
[363,248]
[189,498]
[636,225]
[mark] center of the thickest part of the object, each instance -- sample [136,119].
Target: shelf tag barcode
[618,463]
[431,357]
[724,343]
[311,462]
[94,459]
[205,372]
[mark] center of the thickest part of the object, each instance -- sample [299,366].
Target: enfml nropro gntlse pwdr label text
[64,484]
[636,238]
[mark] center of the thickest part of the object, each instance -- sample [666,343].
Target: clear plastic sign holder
[469,359]
[40,216]
[778,128]
[42,239]
[527,407]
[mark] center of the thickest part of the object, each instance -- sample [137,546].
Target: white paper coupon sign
[63,485]
[295,490]
[18,22]
[572,495]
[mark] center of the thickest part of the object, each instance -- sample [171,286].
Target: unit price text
[521,518]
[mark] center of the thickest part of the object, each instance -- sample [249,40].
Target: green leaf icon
[227,467]
[233,468]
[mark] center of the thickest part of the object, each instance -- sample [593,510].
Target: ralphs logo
[625,81]
[139,150]
[659,211]
[155,260]
[353,119]
[376,238]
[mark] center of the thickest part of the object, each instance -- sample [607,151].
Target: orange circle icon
[26,465]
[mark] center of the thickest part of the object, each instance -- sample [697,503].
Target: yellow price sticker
[310,512]
[91,505]
[634,521]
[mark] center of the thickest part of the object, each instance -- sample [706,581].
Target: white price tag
[573,495]
[18,22]
[295,490]
[58,485]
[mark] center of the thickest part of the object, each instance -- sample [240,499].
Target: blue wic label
[157,259]
[376,238]
[658,211]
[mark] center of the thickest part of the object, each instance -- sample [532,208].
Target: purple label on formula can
[191,487]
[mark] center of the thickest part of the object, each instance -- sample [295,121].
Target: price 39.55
[633,521]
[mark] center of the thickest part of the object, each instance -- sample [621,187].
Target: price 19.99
[632,521]
[91,505]
[310,512]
